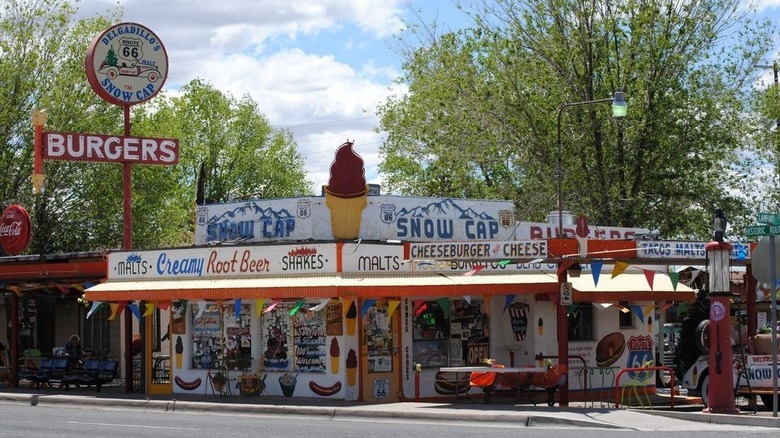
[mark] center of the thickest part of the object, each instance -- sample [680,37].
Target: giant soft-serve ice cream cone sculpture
[346,192]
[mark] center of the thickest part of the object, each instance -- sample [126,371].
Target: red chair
[553,379]
[486,381]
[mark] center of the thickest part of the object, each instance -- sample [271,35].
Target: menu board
[309,341]
[335,319]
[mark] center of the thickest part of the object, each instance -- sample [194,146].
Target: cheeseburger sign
[126,64]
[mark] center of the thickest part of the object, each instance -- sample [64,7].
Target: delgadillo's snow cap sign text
[126,64]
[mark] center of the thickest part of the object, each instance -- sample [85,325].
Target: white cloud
[318,67]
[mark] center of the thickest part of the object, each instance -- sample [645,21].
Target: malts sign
[109,148]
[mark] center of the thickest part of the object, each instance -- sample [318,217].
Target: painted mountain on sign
[444,209]
[251,211]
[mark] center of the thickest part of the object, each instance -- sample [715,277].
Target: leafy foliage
[42,66]
[479,118]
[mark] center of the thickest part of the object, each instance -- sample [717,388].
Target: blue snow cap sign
[126,64]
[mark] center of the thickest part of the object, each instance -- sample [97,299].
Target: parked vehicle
[752,375]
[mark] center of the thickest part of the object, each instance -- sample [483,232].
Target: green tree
[241,154]
[42,66]
[480,114]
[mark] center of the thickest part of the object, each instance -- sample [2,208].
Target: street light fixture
[619,110]
[774,72]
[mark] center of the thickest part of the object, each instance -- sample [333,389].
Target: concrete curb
[702,417]
[421,414]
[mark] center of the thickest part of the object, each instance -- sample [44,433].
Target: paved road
[526,415]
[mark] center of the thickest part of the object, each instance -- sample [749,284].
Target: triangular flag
[114,308]
[149,309]
[475,270]
[297,307]
[467,298]
[572,308]
[675,278]
[201,308]
[503,263]
[165,304]
[649,275]
[444,304]
[95,306]
[323,302]
[601,306]
[595,268]
[366,305]
[508,299]
[237,308]
[639,313]
[77,286]
[391,306]
[619,268]
[88,284]
[136,311]
[649,309]
[682,308]
[259,306]
[62,288]
[665,307]
[271,307]
[695,273]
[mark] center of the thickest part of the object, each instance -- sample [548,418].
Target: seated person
[73,348]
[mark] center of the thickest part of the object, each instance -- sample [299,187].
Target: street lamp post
[619,109]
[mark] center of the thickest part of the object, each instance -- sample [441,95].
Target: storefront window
[580,316]
[450,333]
[221,336]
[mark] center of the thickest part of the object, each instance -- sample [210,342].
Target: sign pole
[773,306]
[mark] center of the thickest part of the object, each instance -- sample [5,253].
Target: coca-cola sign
[14,229]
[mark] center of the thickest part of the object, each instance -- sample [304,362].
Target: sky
[317,67]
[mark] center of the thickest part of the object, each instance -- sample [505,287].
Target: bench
[95,372]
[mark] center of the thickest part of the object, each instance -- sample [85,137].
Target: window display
[431,334]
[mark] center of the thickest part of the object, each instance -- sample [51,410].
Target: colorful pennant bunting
[508,299]
[619,268]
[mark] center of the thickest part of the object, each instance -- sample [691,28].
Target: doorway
[380,377]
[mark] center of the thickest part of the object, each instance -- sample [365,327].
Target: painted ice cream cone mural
[351,319]
[650,324]
[179,351]
[335,354]
[582,235]
[351,367]
[540,326]
[518,314]
[346,192]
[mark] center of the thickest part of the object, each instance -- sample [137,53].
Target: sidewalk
[576,415]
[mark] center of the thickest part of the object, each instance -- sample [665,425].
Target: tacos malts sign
[127,64]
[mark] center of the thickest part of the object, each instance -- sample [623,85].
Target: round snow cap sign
[126,64]
[14,229]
